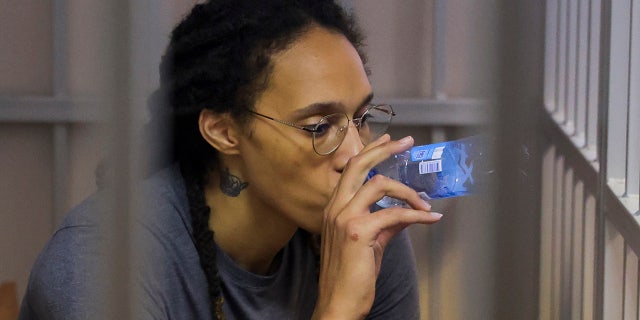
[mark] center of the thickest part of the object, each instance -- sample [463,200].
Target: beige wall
[455,257]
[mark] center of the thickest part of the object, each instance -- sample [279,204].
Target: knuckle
[354,161]
[351,228]
[341,222]
[379,179]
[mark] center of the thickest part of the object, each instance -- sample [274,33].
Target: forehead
[320,67]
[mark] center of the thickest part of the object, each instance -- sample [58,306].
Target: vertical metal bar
[630,284]
[567,243]
[60,52]
[551,48]
[637,289]
[571,73]
[547,235]
[578,249]
[625,257]
[439,50]
[558,239]
[603,120]
[521,52]
[588,305]
[618,94]
[560,114]
[60,174]
[558,58]
[613,273]
[633,120]
[60,136]
[438,91]
[581,74]
[593,83]
[119,203]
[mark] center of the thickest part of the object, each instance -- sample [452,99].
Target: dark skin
[291,187]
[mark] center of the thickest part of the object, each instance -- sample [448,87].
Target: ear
[220,131]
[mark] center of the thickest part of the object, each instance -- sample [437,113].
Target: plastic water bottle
[440,170]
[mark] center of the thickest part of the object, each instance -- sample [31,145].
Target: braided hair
[219,58]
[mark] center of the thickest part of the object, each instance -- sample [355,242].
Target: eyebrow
[326,107]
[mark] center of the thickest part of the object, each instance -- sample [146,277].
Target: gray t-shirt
[70,277]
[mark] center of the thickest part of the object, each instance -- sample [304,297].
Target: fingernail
[436,215]
[406,140]
[427,205]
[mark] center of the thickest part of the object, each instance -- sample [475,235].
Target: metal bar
[567,241]
[60,174]
[614,274]
[558,239]
[119,203]
[51,110]
[630,285]
[637,293]
[551,47]
[440,112]
[603,120]
[618,94]
[571,73]
[560,113]
[60,49]
[593,79]
[637,284]
[588,306]
[633,120]
[577,248]
[546,230]
[580,99]
[624,279]
[439,62]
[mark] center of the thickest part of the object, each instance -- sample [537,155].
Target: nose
[352,144]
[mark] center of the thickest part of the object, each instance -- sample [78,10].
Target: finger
[379,186]
[383,225]
[359,166]
[385,138]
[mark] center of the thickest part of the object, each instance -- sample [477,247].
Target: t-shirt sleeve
[64,279]
[397,295]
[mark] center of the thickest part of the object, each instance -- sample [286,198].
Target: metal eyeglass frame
[314,127]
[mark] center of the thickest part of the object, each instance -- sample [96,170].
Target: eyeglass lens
[331,129]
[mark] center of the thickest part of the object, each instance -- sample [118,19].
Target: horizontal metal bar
[454,112]
[51,110]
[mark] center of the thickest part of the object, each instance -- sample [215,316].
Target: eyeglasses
[330,131]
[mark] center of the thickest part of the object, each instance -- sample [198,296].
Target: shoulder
[64,272]
[72,269]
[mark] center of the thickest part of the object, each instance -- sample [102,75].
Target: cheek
[285,168]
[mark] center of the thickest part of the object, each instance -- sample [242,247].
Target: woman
[265,213]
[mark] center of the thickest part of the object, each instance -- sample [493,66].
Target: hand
[354,239]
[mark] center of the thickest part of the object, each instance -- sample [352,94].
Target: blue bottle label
[427,152]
